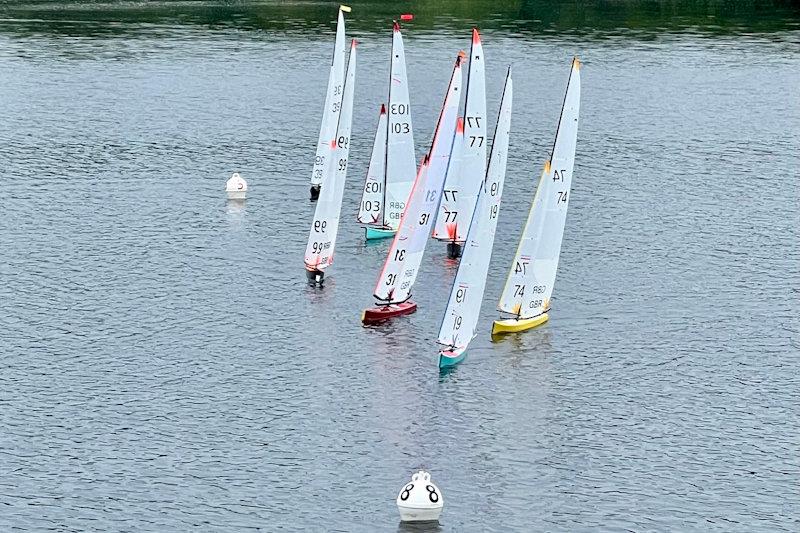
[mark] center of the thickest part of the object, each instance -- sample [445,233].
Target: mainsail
[405,254]
[530,282]
[462,185]
[333,106]
[461,317]
[400,158]
[325,226]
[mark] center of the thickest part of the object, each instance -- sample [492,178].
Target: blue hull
[374,233]
[445,361]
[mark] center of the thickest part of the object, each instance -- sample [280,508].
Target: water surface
[165,366]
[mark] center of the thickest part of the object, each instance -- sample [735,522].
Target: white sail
[530,282]
[461,317]
[333,105]
[461,188]
[325,226]
[405,255]
[370,210]
[401,166]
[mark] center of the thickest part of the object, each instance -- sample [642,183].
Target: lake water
[164,366]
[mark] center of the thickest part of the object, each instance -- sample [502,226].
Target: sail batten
[529,286]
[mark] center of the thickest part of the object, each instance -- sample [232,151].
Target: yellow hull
[512,324]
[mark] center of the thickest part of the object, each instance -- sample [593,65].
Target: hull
[448,358]
[453,250]
[373,233]
[315,276]
[376,315]
[236,195]
[314,192]
[513,325]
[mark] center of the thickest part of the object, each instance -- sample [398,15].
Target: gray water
[164,366]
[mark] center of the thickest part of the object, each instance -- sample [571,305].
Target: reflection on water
[236,208]
[587,19]
[165,365]
[421,527]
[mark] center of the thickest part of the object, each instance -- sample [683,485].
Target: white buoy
[420,500]
[236,187]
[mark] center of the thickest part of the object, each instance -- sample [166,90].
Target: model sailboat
[400,269]
[464,180]
[392,166]
[325,226]
[530,282]
[461,317]
[333,106]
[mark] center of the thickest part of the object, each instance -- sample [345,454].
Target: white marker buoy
[236,187]
[420,500]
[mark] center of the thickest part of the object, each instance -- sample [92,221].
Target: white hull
[237,195]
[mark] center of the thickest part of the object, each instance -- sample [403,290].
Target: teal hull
[445,361]
[374,233]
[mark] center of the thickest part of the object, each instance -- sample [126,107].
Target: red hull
[376,315]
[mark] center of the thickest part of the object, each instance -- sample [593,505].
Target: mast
[395,27]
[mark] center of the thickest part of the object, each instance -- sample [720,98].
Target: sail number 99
[320,225]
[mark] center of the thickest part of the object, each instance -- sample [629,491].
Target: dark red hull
[376,315]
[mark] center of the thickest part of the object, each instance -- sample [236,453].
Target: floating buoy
[420,500]
[236,187]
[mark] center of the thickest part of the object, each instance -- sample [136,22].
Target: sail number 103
[399,109]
